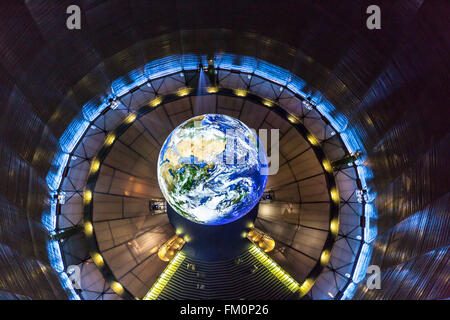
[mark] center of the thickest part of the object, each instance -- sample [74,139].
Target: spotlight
[361,195]
[267,195]
[307,103]
[204,67]
[59,197]
[113,104]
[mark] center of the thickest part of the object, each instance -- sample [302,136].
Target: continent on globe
[210,169]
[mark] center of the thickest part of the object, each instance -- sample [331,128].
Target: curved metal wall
[391,84]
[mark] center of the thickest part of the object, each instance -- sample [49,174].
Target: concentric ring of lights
[62,158]
[114,134]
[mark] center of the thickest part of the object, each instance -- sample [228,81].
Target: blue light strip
[350,291]
[371,230]
[55,256]
[270,72]
[92,110]
[178,63]
[190,62]
[339,122]
[72,135]
[49,218]
[236,63]
[363,263]
[67,285]
[124,84]
[163,67]
[360,271]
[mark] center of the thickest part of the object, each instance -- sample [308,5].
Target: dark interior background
[392,84]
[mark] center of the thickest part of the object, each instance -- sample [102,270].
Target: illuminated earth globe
[212,169]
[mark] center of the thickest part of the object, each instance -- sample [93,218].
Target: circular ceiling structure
[114,166]
[363,147]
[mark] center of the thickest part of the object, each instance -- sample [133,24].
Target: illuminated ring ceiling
[185,92]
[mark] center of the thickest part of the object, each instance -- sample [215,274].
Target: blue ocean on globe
[212,169]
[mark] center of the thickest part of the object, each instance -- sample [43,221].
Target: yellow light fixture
[327,165]
[167,251]
[183,92]
[117,287]
[212,89]
[334,195]
[240,92]
[87,195]
[98,259]
[95,165]
[313,140]
[325,257]
[334,226]
[268,103]
[88,228]
[110,139]
[155,102]
[293,119]
[131,117]
[264,241]
[306,286]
